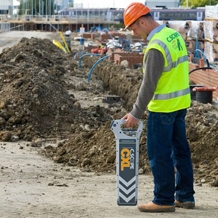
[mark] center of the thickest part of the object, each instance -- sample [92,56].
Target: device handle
[116,128]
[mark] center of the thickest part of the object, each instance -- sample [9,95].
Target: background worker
[165,92]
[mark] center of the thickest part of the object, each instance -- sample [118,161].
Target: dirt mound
[45,94]
[96,151]
[35,101]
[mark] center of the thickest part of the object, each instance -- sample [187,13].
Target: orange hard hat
[133,12]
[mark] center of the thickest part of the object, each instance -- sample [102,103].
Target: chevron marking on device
[125,198]
[127,191]
[127,183]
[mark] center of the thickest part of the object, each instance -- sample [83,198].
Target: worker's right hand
[130,121]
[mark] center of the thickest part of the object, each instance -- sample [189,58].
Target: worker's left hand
[130,121]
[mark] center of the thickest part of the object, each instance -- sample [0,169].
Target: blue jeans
[167,146]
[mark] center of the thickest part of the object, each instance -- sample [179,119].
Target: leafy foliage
[198,3]
[36,7]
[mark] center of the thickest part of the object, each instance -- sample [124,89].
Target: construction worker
[165,92]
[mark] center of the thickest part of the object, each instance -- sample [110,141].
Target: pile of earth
[35,97]
[95,151]
[46,95]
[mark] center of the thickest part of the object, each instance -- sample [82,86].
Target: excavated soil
[46,97]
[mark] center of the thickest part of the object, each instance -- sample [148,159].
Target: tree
[197,3]
[36,7]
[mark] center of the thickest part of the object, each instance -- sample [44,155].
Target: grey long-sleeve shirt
[154,64]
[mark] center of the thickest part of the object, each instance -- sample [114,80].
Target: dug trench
[46,98]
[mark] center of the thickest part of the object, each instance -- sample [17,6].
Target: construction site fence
[57,18]
[4,27]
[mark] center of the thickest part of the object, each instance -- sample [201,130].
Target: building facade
[9,7]
[61,4]
[162,3]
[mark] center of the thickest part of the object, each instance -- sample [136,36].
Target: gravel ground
[33,186]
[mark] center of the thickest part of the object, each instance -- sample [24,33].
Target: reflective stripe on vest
[171,64]
[171,95]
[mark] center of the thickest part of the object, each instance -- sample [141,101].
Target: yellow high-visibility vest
[172,92]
